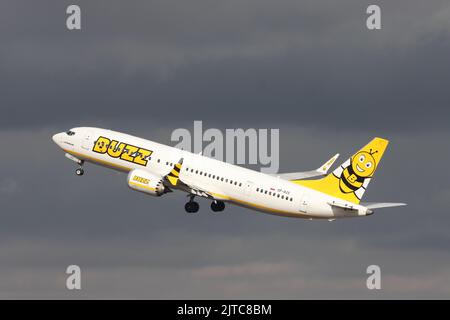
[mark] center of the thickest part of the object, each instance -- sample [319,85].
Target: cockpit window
[70,133]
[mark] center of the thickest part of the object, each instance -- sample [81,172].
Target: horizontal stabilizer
[346,206]
[378,205]
[321,171]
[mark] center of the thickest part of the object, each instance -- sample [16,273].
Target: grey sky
[310,68]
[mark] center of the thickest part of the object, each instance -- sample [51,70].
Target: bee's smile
[359,168]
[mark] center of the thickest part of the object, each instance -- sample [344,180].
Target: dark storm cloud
[310,69]
[302,63]
[134,246]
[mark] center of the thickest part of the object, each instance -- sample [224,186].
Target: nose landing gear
[79,171]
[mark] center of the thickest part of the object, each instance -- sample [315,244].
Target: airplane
[156,169]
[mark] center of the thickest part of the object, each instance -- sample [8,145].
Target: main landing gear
[191,206]
[217,206]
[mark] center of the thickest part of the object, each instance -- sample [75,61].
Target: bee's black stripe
[350,186]
[351,171]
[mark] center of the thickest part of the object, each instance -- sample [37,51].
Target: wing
[172,180]
[321,171]
[192,189]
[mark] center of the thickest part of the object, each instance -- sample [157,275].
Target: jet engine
[145,182]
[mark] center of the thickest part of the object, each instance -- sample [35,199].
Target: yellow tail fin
[350,180]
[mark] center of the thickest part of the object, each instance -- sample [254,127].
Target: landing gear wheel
[79,171]
[217,206]
[191,207]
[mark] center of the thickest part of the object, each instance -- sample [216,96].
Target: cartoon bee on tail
[354,175]
[349,181]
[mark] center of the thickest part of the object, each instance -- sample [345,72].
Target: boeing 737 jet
[156,169]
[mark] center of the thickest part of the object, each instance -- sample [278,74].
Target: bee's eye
[368,165]
[362,158]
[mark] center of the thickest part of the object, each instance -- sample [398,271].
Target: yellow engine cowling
[145,182]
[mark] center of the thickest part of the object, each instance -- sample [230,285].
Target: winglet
[173,176]
[297,176]
[323,169]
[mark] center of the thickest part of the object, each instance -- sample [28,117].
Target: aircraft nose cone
[57,138]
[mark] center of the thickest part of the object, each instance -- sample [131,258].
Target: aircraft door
[87,140]
[304,203]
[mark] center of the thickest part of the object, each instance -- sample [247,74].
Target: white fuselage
[226,182]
